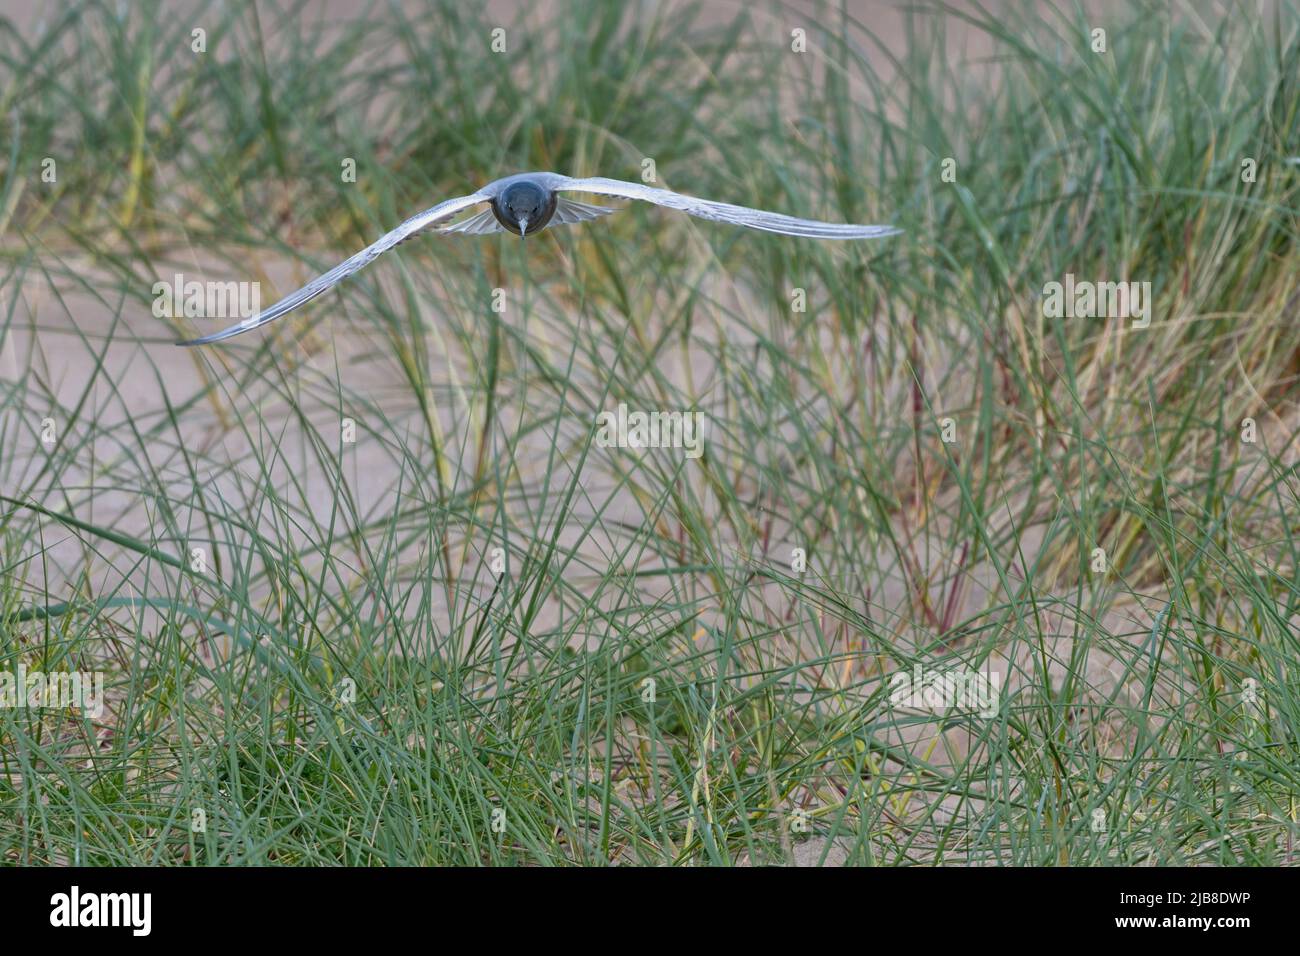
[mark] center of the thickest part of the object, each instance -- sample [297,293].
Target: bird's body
[524,204]
[530,202]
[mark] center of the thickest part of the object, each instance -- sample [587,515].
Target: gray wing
[726,212]
[569,211]
[412,227]
[480,224]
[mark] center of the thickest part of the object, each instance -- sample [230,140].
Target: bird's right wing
[412,227]
[724,211]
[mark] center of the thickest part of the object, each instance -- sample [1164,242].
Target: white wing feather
[726,212]
[412,227]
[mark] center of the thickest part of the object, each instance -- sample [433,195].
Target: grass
[337,675]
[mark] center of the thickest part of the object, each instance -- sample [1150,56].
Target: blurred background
[361,578]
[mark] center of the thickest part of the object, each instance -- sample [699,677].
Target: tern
[527,204]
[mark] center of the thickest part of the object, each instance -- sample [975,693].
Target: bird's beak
[523,227]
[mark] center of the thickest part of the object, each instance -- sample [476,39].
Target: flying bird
[527,204]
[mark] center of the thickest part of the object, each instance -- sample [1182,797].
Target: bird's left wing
[412,227]
[725,212]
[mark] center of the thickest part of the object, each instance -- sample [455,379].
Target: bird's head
[524,208]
